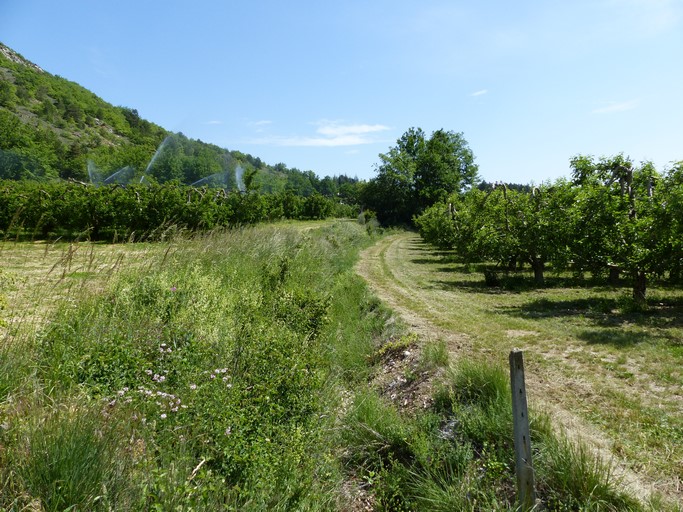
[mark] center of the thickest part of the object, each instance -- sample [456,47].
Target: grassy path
[610,378]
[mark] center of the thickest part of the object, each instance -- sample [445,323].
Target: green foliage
[612,217]
[434,355]
[5,284]
[436,226]
[220,359]
[419,172]
[113,212]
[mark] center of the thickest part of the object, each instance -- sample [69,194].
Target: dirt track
[401,271]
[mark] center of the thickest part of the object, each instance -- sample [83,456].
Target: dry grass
[37,277]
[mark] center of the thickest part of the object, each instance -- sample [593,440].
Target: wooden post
[526,494]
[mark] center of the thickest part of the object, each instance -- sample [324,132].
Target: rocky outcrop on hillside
[10,54]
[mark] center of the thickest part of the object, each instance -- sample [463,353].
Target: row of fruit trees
[611,217]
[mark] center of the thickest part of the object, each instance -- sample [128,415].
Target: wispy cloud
[613,107]
[647,17]
[260,126]
[480,92]
[337,129]
[328,134]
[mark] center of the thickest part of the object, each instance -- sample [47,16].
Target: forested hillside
[51,128]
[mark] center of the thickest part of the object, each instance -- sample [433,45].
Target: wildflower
[163,416]
[228,431]
[173,288]
[213,376]
[149,372]
[193,386]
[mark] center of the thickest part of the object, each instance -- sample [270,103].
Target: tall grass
[67,456]
[218,354]
[459,455]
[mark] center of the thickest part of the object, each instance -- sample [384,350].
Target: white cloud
[328,134]
[260,126]
[616,107]
[480,92]
[337,129]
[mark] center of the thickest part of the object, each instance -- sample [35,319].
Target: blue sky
[327,86]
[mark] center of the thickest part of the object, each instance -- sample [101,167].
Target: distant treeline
[36,210]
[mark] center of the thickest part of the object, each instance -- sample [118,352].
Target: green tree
[446,165]
[8,96]
[669,221]
[617,219]
[419,172]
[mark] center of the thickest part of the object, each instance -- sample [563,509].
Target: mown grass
[616,366]
[231,371]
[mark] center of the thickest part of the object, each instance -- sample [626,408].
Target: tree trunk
[614,272]
[538,266]
[512,264]
[639,287]
[675,273]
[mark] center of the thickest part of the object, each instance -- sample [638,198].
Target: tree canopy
[614,217]
[418,172]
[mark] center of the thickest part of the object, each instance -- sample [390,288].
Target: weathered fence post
[526,494]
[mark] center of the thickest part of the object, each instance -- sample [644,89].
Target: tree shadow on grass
[605,312]
[469,287]
[424,261]
[618,338]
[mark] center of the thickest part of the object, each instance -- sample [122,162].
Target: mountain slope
[51,128]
